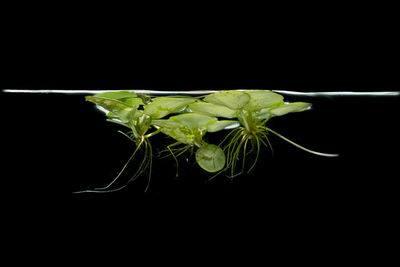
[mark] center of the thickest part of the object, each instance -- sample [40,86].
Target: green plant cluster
[186,120]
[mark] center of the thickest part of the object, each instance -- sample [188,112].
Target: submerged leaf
[162,106]
[260,99]
[221,125]
[289,108]
[210,157]
[231,99]
[212,110]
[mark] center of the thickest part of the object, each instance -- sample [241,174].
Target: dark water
[55,144]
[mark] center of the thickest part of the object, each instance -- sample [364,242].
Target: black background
[57,144]
[50,144]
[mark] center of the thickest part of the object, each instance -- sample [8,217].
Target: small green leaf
[193,120]
[231,99]
[145,98]
[111,115]
[117,95]
[166,123]
[221,125]
[127,115]
[138,113]
[107,103]
[132,101]
[289,108]
[162,106]
[260,99]
[211,109]
[117,109]
[142,124]
[126,97]
[210,157]
[262,114]
[175,130]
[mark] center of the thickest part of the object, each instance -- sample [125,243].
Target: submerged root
[144,146]
[299,146]
[243,144]
[175,153]
[237,151]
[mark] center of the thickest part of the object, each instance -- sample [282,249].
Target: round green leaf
[260,99]
[232,99]
[289,108]
[210,157]
[212,110]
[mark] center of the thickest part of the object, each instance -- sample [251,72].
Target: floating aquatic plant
[187,120]
[253,109]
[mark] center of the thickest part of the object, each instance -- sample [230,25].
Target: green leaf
[231,99]
[212,110]
[117,95]
[166,123]
[109,104]
[142,124]
[127,115]
[138,113]
[116,107]
[132,101]
[111,115]
[162,106]
[262,114]
[210,157]
[126,97]
[145,98]
[186,128]
[260,99]
[220,125]
[193,120]
[175,130]
[289,108]
[179,134]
